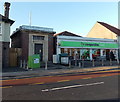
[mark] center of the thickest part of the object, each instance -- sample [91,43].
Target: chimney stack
[6,12]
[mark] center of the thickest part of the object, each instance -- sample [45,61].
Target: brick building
[103,30]
[34,40]
[106,31]
[5,24]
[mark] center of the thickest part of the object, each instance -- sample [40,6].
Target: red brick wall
[16,41]
[21,40]
[50,47]
[25,45]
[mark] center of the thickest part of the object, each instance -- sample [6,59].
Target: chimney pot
[6,12]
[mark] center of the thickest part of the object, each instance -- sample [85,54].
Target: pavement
[54,70]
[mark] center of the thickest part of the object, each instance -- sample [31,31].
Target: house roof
[111,28]
[6,20]
[66,33]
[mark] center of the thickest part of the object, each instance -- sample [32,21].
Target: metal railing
[93,63]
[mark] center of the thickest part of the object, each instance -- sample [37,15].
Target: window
[0,28]
[38,37]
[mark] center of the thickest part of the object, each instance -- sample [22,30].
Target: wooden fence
[14,57]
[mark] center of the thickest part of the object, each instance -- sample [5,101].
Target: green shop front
[86,48]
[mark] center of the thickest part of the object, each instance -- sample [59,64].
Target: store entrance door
[39,50]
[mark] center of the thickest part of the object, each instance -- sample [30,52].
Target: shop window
[62,50]
[65,50]
[69,53]
[73,52]
[38,37]
[0,28]
[85,54]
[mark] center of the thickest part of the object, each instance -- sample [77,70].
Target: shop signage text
[84,44]
[88,44]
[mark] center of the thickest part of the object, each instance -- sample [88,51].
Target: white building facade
[5,24]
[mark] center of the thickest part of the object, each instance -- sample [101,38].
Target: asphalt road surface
[76,87]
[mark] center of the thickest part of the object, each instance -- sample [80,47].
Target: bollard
[79,64]
[21,64]
[27,65]
[102,62]
[69,64]
[118,61]
[46,65]
[82,62]
[93,64]
[110,62]
[24,65]
[75,62]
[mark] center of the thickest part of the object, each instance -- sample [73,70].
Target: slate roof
[6,20]
[66,33]
[111,28]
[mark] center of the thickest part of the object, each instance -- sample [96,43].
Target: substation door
[39,50]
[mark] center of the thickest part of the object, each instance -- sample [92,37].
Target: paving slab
[50,71]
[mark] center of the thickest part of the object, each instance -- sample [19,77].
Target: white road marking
[66,87]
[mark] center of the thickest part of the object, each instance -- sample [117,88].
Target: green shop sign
[88,44]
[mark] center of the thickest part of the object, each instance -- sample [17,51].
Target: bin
[55,59]
[64,58]
[34,61]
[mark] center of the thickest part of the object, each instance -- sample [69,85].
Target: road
[86,86]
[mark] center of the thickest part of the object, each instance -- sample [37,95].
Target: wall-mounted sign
[88,44]
[36,60]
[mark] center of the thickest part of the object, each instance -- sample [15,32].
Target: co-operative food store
[86,48]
